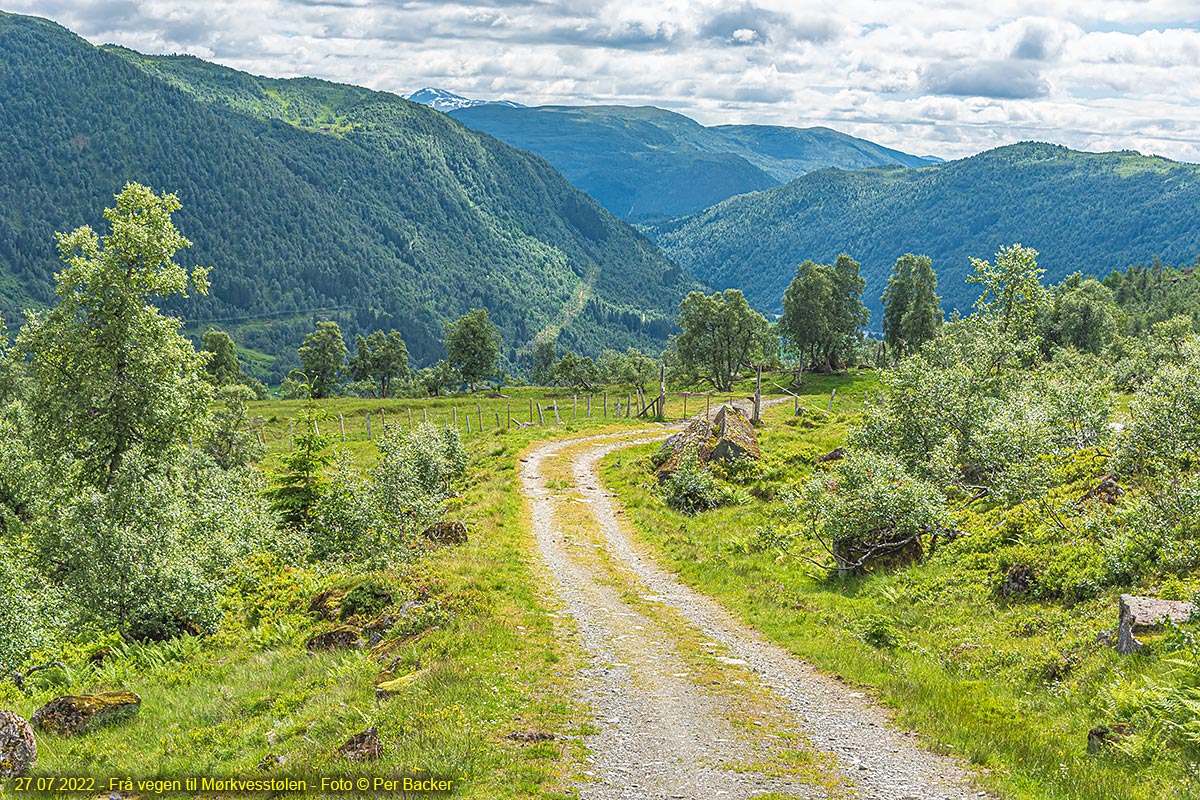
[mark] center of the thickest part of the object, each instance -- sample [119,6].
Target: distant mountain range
[311,200]
[1087,212]
[445,101]
[644,163]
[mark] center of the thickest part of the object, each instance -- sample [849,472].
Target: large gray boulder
[1138,613]
[18,750]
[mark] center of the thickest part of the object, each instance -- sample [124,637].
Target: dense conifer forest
[313,199]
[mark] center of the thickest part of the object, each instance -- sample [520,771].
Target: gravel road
[689,702]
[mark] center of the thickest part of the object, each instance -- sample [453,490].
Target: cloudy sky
[939,76]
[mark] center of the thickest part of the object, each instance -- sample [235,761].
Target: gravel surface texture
[689,702]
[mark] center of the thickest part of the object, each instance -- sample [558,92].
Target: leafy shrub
[1158,533]
[867,506]
[365,600]
[263,588]
[128,560]
[372,519]
[954,418]
[428,459]
[692,487]
[1163,435]
[27,618]
[19,478]
[878,631]
[231,438]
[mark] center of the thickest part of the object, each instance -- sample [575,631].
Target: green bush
[878,631]
[365,600]
[692,487]
[866,505]
[1163,435]
[375,518]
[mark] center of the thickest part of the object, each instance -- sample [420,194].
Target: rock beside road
[18,750]
[727,435]
[1138,614]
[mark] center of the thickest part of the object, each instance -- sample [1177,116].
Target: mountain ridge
[447,101]
[645,163]
[308,195]
[1087,212]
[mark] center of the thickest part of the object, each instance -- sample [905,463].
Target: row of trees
[821,326]
[821,329]
[631,368]
[380,360]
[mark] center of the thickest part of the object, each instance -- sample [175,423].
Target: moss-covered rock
[394,686]
[343,637]
[328,603]
[18,750]
[725,436]
[366,599]
[446,532]
[75,714]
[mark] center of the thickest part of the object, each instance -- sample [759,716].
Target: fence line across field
[633,404]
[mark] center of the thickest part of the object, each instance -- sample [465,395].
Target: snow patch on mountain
[445,101]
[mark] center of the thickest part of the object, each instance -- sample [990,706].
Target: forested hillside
[312,199]
[646,163]
[1087,212]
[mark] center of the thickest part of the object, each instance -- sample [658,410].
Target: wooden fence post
[757,396]
[662,392]
[425,415]
[531,409]
[410,418]
[342,424]
[575,408]
[589,406]
[498,425]
[541,418]
[832,395]
[292,433]
[468,423]
[557,421]
[509,423]
[455,410]
[479,408]
[368,426]
[606,405]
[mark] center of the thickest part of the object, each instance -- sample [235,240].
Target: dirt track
[689,702]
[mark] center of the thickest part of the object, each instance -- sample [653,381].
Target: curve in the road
[690,702]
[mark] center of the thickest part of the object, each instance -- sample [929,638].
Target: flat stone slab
[1149,612]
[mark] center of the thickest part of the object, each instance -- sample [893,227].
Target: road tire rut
[664,731]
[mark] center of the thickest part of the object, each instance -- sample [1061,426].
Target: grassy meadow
[1011,685]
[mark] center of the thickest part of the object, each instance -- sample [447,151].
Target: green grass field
[490,658]
[1013,687]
